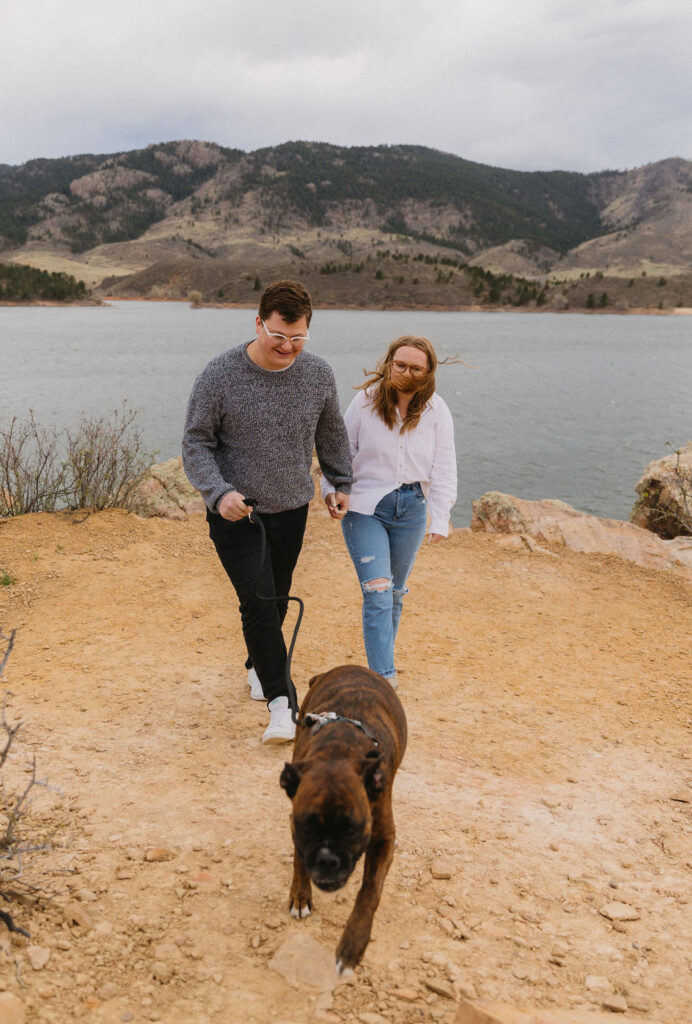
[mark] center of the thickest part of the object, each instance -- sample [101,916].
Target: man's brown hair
[290,299]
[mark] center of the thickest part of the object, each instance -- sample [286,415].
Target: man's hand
[337,503]
[435,538]
[232,506]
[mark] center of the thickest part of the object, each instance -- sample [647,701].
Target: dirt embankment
[549,770]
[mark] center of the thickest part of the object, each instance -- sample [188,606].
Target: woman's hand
[434,538]
[337,504]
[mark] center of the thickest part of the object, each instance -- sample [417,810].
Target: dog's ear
[314,679]
[374,778]
[291,776]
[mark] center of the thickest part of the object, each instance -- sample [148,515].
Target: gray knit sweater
[253,430]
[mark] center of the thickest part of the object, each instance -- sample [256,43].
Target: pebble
[441,869]
[157,854]
[274,923]
[372,1018]
[75,913]
[615,1003]
[107,991]
[595,982]
[161,972]
[409,995]
[616,911]
[38,957]
[440,988]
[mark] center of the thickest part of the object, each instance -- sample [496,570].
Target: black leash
[317,720]
[290,688]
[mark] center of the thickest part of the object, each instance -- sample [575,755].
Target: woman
[404,466]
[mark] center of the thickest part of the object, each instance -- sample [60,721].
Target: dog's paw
[303,911]
[343,972]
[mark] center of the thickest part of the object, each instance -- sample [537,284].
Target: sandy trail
[549,770]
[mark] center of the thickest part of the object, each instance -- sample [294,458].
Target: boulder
[167,492]
[554,522]
[664,505]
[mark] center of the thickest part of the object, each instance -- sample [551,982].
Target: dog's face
[331,821]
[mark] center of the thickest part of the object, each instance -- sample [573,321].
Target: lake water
[554,406]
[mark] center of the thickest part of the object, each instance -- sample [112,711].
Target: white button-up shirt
[384,459]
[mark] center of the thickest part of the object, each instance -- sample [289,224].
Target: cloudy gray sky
[529,84]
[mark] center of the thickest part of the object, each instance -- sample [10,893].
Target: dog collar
[320,720]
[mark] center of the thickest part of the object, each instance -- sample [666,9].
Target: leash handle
[255,518]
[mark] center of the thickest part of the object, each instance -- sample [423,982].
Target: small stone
[615,1003]
[441,869]
[157,854]
[466,990]
[38,957]
[595,983]
[161,972]
[64,945]
[409,995]
[75,913]
[682,797]
[616,911]
[372,1018]
[440,988]
[12,1010]
[107,991]
[122,874]
[301,959]
[274,923]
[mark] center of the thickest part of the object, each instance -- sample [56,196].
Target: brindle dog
[340,782]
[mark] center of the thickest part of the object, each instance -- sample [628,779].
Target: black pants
[238,546]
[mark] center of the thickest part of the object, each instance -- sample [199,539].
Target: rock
[107,991]
[38,957]
[158,854]
[597,983]
[615,1003]
[664,505]
[75,913]
[301,960]
[372,1018]
[500,1013]
[440,869]
[616,911]
[161,972]
[12,1010]
[554,522]
[167,492]
[408,995]
[440,988]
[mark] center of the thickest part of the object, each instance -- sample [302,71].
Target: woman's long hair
[381,392]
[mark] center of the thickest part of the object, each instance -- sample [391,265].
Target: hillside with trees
[313,208]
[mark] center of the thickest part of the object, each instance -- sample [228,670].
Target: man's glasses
[296,340]
[415,371]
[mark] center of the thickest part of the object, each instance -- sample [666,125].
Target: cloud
[545,84]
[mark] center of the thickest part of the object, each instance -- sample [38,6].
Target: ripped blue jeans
[384,546]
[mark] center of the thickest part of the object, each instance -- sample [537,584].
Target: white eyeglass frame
[298,339]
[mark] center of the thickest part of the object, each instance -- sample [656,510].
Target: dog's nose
[326,860]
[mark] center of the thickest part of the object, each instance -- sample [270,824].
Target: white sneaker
[393,681]
[281,728]
[256,692]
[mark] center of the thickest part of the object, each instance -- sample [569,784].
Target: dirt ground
[548,773]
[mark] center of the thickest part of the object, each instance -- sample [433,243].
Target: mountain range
[222,220]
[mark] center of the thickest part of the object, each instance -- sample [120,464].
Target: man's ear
[374,777]
[291,776]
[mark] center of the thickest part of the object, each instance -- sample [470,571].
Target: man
[254,416]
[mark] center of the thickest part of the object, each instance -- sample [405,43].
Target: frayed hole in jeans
[376,586]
